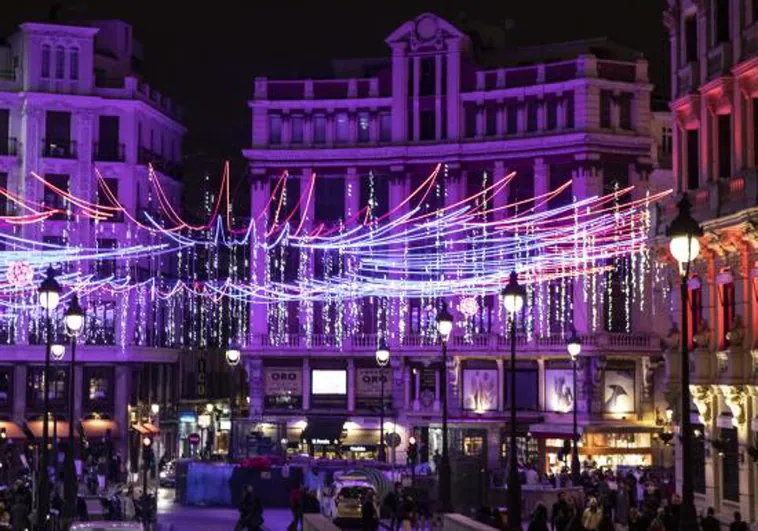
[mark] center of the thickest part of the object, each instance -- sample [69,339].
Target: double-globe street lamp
[74,321]
[444,328]
[684,232]
[49,296]
[574,347]
[233,356]
[382,359]
[514,298]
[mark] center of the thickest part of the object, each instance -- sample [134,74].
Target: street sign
[393,440]
[193,439]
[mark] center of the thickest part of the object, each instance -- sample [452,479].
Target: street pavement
[174,517]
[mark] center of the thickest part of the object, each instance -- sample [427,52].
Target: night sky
[206,58]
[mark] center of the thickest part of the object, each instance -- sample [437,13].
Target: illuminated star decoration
[19,274]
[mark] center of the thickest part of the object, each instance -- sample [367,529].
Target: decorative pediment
[687,111]
[718,94]
[746,75]
[427,32]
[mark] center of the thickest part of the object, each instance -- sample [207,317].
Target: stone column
[120,402]
[414,134]
[19,393]
[501,385]
[417,395]
[259,194]
[350,386]
[399,92]
[521,115]
[306,261]
[738,127]
[453,89]
[438,97]
[254,368]
[541,179]
[707,168]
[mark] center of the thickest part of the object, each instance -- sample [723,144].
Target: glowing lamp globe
[233,356]
[49,291]
[57,352]
[684,232]
[514,295]
[574,346]
[74,317]
[147,441]
[444,322]
[382,353]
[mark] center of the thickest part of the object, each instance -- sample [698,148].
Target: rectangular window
[722,21]
[4,202]
[108,146]
[101,323]
[104,197]
[58,127]
[490,119]
[427,125]
[5,126]
[35,394]
[470,124]
[274,129]
[625,111]
[60,62]
[690,37]
[106,267]
[73,63]
[569,109]
[527,387]
[693,159]
[552,114]
[385,127]
[342,128]
[53,199]
[730,463]
[45,70]
[511,114]
[427,82]
[98,387]
[727,311]
[319,129]
[725,145]
[696,313]
[330,199]
[296,124]
[531,116]
[606,100]
[698,458]
[6,386]
[364,127]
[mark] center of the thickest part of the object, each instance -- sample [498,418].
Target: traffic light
[412,451]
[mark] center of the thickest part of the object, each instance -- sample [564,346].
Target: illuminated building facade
[71,103]
[714,68]
[576,112]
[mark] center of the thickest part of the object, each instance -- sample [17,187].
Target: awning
[547,430]
[146,428]
[12,430]
[324,430]
[60,427]
[98,428]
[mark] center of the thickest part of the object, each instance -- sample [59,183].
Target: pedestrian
[622,504]
[296,500]
[559,516]
[592,516]
[251,511]
[710,522]
[539,518]
[738,524]
[369,514]
[392,503]
[408,511]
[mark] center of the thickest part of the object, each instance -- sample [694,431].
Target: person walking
[738,524]
[538,521]
[251,511]
[710,522]
[592,516]
[369,514]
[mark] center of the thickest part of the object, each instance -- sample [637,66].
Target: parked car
[344,506]
[167,475]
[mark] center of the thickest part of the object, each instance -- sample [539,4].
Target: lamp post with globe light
[233,356]
[684,232]
[444,328]
[74,321]
[382,359]
[514,297]
[49,296]
[574,347]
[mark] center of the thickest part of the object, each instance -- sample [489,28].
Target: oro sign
[193,439]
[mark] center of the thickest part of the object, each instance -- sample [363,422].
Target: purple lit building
[578,110]
[72,100]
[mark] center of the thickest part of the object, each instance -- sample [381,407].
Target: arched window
[73,63]
[60,62]
[45,61]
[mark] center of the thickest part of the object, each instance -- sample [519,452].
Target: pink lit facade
[714,80]
[70,102]
[564,113]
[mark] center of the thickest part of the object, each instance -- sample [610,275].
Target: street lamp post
[233,356]
[444,327]
[574,346]
[382,359]
[49,296]
[514,297]
[685,247]
[74,320]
